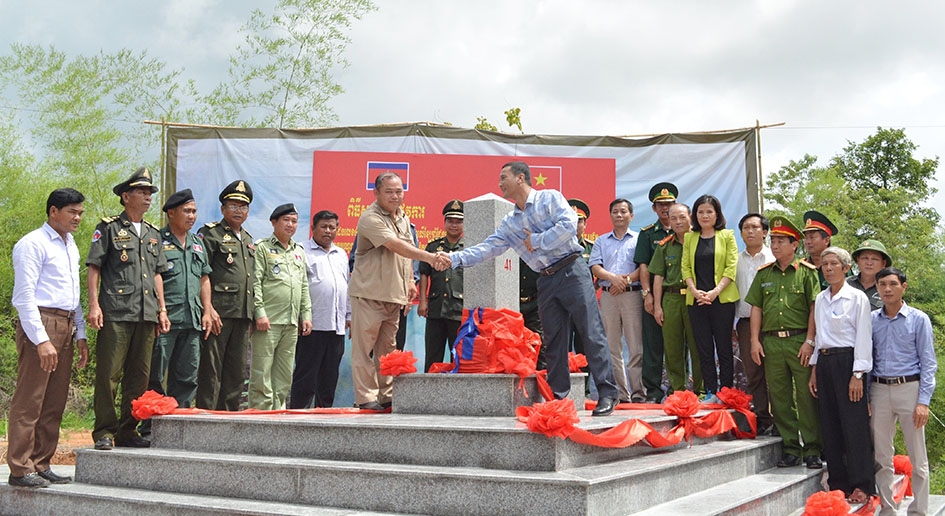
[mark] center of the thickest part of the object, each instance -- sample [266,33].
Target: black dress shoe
[54,478]
[605,406]
[31,480]
[788,461]
[134,442]
[813,462]
[371,405]
[105,443]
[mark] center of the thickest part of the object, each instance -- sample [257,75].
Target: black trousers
[845,426]
[712,327]
[317,357]
[439,337]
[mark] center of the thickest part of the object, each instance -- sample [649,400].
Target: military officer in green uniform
[818,230]
[782,335]
[187,294]
[583,212]
[126,303]
[662,196]
[281,305]
[669,304]
[443,304]
[231,253]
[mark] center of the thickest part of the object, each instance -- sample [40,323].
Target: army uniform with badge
[677,332]
[281,295]
[784,300]
[583,211]
[445,298]
[178,351]
[816,221]
[649,238]
[129,266]
[232,258]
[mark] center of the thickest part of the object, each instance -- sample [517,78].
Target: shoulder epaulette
[667,239]
[109,220]
[807,264]
[647,228]
[589,241]
[210,225]
[152,225]
[769,264]
[261,240]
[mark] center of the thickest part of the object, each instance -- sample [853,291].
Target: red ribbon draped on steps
[558,418]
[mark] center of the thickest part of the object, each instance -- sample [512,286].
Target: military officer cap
[873,245]
[814,220]
[454,210]
[580,207]
[181,197]
[141,177]
[782,226]
[663,192]
[285,209]
[238,190]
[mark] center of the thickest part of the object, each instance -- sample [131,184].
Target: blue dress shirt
[902,346]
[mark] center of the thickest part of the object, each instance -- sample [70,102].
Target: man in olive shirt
[870,257]
[818,230]
[126,303]
[232,256]
[782,333]
[669,304]
[443,305]
[381,285]
[187,294]
[281,304]
[663,196]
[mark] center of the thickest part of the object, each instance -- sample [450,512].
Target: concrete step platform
[481,442]
[91,500]
[773,492]
[618,488]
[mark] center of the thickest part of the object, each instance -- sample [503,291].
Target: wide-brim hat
[873,245]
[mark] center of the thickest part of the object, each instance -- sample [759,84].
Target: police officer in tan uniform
[441,292]
[126,303]
[231,253]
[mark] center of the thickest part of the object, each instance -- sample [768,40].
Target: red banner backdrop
[342,182]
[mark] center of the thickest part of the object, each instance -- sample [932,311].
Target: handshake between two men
[442,261]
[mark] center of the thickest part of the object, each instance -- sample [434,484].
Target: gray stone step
[91,500]
[618,488]
[481,442]
[773,492]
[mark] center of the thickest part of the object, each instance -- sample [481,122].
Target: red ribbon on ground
[903,466]
[397,363]
[827,503]
[576,362]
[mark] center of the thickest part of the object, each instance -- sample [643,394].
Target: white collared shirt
[327,272]
[46,274]
[844,320]
[745,273]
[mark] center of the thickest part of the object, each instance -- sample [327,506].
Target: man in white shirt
[754,229]
[318,354]
[46,298]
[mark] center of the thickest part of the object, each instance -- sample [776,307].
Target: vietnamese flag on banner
[343,182]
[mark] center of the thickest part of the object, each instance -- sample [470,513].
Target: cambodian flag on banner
[376,168]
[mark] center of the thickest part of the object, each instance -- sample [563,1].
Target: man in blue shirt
[904,368]
[542,230]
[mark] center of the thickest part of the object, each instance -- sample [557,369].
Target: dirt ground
[69,441]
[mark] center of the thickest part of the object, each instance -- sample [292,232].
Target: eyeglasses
[238,208]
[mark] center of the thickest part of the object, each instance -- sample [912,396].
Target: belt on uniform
[826,352]
[783,334]
[560,264]
[896,380]
[57,312]
[631,288]
[674,290]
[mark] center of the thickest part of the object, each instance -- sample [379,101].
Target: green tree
[281,75]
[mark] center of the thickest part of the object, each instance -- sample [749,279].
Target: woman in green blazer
[710,256]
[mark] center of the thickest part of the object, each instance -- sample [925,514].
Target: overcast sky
[832,71]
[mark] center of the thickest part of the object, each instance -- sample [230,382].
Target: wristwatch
[858,375]
[646,292]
